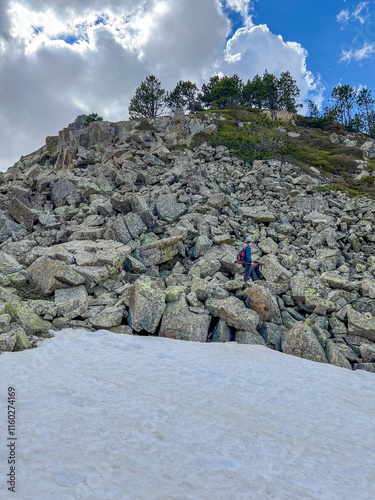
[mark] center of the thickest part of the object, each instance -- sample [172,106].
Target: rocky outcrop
[130,227]
[301,341]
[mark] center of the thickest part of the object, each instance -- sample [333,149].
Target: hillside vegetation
[251,135]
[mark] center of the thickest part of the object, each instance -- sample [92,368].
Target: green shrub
[93,117]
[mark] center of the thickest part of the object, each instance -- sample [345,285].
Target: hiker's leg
[253,275]
[247,271]
[257,272]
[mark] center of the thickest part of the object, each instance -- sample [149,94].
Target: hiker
[251,268]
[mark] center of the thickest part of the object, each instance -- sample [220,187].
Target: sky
[105,416]
[61,58]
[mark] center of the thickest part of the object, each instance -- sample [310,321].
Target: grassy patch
[248,133]
[316,150]
[354,189]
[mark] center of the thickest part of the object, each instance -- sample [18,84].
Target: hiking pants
[250,271]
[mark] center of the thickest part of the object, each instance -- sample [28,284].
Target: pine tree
[253,93]
[148,100]
[344,97]
[312,109]
[185,96]
[227,92]
[206,93]
[93,117]
[366,108]
[288,92]
[270,91]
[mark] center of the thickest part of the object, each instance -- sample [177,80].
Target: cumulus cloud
[60,58]
[253,50]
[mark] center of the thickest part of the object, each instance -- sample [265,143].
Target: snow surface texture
[104,416]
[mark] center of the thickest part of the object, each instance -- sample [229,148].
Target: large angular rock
[17,333]
[26,318]
[234,313]
[334,279]
[218,201]
[268,245]
[86,233]
[168,209]
[367,351]
[135,225]
[310,203]
[132,265]
[8,264]
[260,300]
[367,287]
[221,332]
[157,252]
[207,265]
[7,341]
[99,253]
[258,213]
[121,203]
[361,325]
[23,214]
[205,290]
[201,246]
[146,305]
[308,291]
[108,318]
[272,334]
[273,271]
[64,192]
[335,356]
[181,324]
[369,148]
[50,275]
[246,337]
[9,228]
[118,231]
[71,302]
[302,342]
[327,237]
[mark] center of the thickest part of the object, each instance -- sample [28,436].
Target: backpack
[241,257]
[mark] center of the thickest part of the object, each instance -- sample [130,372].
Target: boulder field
[129,227]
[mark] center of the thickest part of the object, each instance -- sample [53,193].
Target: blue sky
[327,36]
[61,58]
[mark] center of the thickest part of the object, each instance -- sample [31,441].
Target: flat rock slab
[50,275]
[361,325]
[26,318]
[234,313]
[181,324]
[157,252]
[72,302]
[258,213]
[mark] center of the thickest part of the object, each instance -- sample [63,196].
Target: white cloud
[64,57]
[365,52]
[360,13]
[343,16]
[253,50]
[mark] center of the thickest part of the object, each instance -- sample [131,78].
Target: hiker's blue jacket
[248,255]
